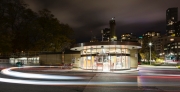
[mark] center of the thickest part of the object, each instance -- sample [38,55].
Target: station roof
[113,44]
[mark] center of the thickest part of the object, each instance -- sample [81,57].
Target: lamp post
[150,44]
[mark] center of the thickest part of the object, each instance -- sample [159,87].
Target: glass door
[103,62]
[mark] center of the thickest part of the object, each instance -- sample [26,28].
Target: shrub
[178,67]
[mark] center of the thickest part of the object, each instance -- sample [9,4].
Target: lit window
[172,39]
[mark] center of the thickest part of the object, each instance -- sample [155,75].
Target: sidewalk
[99,71]
[157,66]
[57,69]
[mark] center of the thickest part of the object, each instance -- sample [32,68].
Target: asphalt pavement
[145,79]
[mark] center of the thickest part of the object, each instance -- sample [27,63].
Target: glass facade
[25,60]
[105,58]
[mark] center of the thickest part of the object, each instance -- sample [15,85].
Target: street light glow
[150,44]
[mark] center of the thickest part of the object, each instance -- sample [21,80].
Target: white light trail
[36,76]
[71,83]
[36,82]
[69,78]
[44,76]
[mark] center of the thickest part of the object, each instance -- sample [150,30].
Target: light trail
[75,81]
[35,82]
[8,71]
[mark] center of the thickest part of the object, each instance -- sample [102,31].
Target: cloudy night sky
[84,16]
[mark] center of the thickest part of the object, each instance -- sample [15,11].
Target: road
[147,79]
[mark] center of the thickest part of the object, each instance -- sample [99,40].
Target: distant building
[172,40]
[112,24]
[171,19]
[109,34]
[151,34]
[106,33]
[128,37]
[94,39]
[177,29]
[156,39]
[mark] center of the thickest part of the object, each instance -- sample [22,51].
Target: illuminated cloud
[136,16]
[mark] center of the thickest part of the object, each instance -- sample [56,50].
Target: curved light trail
[35,82]
[69,78]
[8,71]
[45,76]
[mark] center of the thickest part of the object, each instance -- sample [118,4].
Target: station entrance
[103,62]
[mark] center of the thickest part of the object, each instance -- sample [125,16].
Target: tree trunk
[63,57]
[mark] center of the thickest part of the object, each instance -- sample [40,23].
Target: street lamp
[150,44]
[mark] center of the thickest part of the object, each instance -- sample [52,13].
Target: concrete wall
[56,59]
[4,60]
[133,58]
[50,59]
[72,58]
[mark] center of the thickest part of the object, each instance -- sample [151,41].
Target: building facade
[177,29]
[156,39]
[108,56]
[128,37]
[171,19]
[172,49]
[106,34]
[112,24]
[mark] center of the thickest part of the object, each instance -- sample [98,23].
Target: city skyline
[86,16]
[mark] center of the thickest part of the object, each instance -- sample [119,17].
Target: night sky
[84,16]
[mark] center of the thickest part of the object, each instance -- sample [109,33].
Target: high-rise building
[151,34]
[155,38]
[177,29]
[106,33]
[112,24]
[171,19]
[129,37]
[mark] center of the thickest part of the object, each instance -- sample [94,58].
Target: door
[103,63]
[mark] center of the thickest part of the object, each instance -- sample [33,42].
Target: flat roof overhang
[114,44]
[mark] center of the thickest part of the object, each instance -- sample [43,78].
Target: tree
[10,11]
[53,33]
[144,51]
[11,16]
[22,29]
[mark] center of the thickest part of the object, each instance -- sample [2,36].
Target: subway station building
[108,56]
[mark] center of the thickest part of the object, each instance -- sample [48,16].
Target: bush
[145,63]
[158,60]
[178,67]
